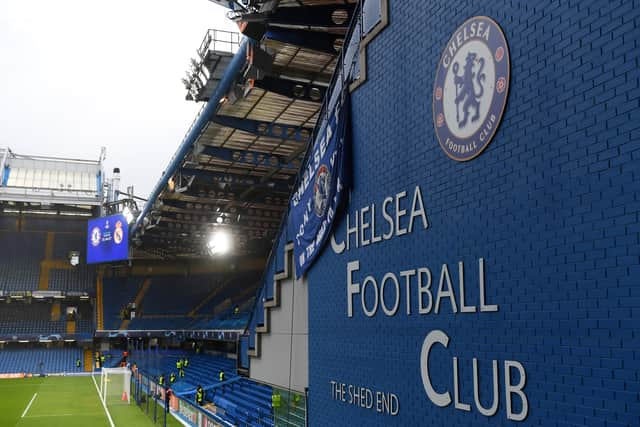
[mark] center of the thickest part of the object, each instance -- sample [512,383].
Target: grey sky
[76,75]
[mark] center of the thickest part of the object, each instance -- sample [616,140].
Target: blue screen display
[107,239]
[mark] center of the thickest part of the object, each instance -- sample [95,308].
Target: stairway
[55,312]
[44,265]
[71,327]
[99,308]
[88,360]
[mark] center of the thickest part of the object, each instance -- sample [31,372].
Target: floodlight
[74,258]
[220,243]
[128,215]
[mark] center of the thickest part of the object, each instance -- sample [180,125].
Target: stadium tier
[201,302]
[33,360]
[117,293]
[44,318]
[20,259]
[239,400]
[39,260]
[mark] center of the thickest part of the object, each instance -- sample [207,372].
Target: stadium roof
[238,162]
[49,184]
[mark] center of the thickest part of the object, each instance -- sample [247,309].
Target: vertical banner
[321,189]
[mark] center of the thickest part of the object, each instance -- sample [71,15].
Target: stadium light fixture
[74,258]
[220,243]
[128,215]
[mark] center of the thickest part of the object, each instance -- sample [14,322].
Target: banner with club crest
[321,188]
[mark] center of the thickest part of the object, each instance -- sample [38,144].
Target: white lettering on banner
[443,399]
[364,397]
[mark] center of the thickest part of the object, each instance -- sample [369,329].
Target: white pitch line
[101,401]
[29,405]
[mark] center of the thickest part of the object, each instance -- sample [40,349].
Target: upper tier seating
[169,301]
[20,256]
[19,318]
[117,293]
[81,278]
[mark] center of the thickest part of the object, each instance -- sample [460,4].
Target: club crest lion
[471,88]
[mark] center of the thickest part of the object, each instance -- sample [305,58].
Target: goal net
[115,386]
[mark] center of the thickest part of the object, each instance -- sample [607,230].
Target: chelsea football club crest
[321,190]
[96,236]
[471,87]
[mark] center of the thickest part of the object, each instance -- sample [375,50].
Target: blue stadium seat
[40,360]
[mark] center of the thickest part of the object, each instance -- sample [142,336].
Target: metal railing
[220,41]
[162,406]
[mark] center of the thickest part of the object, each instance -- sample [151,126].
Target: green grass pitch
[64,402]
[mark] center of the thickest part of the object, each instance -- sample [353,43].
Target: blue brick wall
[551,205]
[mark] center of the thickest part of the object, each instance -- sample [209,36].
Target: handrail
[150,379]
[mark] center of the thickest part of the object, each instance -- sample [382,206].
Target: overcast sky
[76,75]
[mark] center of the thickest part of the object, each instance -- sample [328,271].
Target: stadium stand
[242,401]
[81,279]
[20,260]
[36,360]
[117,293]
[176,295]
[39,318]
[172,302]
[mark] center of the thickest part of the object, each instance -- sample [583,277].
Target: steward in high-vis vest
[172,378]
[275,401]
[200,395]
[161,380]
[221,375]
[185,363]
[179,364]
[78,363]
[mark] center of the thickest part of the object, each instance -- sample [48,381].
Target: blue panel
[5,175]
[551,206]
[107,239]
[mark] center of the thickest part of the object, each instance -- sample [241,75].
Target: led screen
[107,239]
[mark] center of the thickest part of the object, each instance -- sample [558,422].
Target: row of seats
[21,254]
[40,360]
[169,300]
[116,294]
[240,401]
[244,402]
[35,319]
[81,278]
